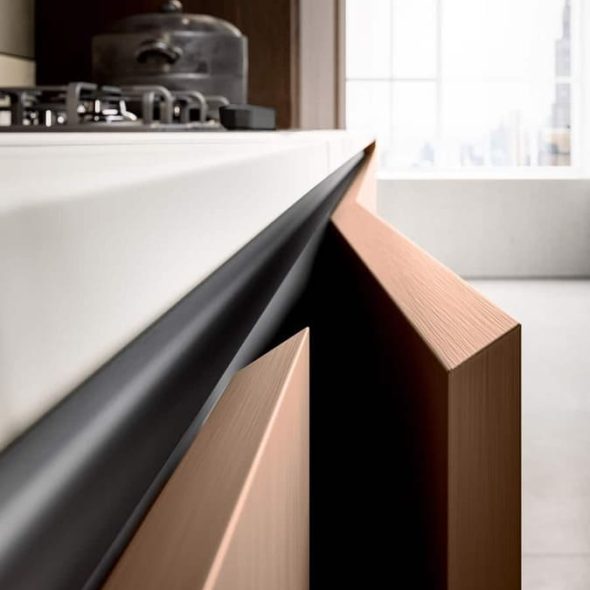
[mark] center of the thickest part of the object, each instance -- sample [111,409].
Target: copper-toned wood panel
[484,468]
[235,514]
[452,318]
[451,365]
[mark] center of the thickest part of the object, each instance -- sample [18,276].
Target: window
[448,84]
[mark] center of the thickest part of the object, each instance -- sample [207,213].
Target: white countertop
[100,234]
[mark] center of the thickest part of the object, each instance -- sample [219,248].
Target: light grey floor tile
[552,572]
[556,482]
[555,316]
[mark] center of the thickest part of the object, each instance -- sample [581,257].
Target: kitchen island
[157,295]
[101,234]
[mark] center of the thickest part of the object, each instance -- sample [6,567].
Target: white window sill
[557,173]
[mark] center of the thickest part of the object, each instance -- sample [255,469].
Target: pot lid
[172,18]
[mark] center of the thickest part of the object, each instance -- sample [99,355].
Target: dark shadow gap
[371,423]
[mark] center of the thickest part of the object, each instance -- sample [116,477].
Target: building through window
[448,84]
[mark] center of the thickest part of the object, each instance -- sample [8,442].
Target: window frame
[580,95]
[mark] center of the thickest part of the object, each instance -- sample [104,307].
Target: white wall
[495,228]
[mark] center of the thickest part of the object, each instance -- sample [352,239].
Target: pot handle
[171,6]
[159,49]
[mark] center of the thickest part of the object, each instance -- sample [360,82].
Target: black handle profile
[248,117]
[158,50]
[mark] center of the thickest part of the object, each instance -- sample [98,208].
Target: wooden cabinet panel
[235,514]
[449,360]
[415,431]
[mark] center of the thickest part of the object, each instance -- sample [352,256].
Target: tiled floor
[556,427]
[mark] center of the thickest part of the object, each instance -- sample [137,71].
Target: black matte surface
[248,117]
[373,520]
[88,470]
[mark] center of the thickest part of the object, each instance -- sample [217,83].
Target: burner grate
[82,106]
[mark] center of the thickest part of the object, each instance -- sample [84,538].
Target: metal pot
[176,50]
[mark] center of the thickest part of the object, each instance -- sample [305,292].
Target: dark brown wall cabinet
[65,29]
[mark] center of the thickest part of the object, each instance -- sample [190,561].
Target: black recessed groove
[74,487]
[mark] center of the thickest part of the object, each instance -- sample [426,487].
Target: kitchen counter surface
[101,234]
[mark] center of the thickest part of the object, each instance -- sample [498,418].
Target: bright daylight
[451,84]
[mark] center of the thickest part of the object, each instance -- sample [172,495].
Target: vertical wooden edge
[318,64]
[266,546]
[478,347]
[484,468]
[340,65]
[362,191]
[237,507]
[295,62]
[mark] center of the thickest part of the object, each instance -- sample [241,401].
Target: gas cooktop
[83,106]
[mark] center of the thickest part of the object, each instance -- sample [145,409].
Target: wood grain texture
[453,365]
[235,514]
[484,468]
[453,319]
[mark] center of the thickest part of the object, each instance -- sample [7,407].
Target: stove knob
[171,6]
